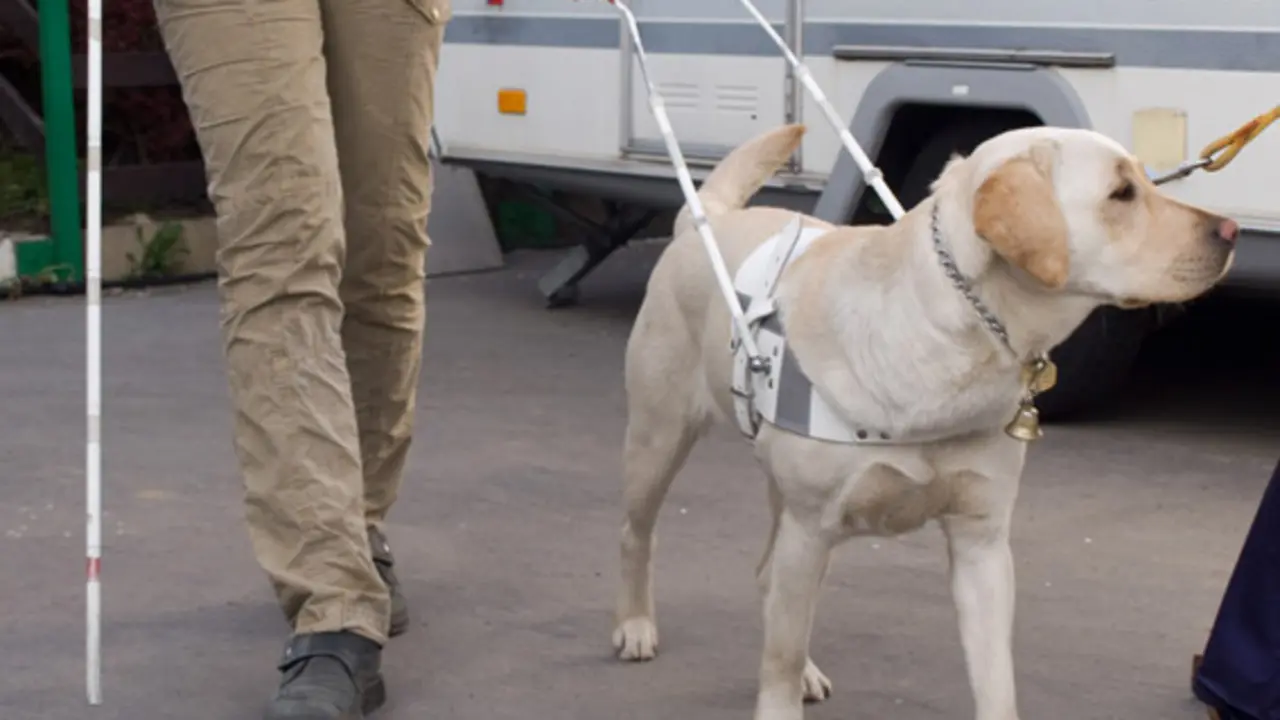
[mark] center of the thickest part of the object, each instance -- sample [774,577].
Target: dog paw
[816,685]
[636,639]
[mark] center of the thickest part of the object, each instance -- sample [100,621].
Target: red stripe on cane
[93,567]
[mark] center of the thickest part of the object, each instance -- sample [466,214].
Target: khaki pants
[320,272]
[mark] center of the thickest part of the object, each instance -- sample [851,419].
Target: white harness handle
[749,362]
[870,172]
[874,177]
[700,222]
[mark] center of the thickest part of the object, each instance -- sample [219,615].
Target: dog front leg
[982,584]
[795,568]
[816,685]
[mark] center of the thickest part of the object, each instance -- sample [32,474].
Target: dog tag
[1040,376]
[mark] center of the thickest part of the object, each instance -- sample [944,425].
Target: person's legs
[382,60]
[1239,676]
[254,80]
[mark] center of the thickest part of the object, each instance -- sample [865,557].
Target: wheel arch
[992,87]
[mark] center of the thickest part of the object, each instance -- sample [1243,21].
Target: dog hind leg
[664,421]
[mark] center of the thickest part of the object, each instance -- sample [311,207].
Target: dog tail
[742,173]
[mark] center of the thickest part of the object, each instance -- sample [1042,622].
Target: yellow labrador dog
[920,329]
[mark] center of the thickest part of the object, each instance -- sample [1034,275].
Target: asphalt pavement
[507,529]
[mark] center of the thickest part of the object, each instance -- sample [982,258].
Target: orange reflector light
[511,102]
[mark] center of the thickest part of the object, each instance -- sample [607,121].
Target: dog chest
[884,501]
[781,394]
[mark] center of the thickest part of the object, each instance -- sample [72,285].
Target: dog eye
[1125,192]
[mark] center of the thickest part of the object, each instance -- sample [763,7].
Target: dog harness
[772,388]
[780,393]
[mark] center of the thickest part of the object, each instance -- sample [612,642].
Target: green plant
[22,187]
[160,256]
[46,277]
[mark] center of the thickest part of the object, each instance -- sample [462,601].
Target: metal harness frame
[746,323]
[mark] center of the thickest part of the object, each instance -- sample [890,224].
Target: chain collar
[1039,374]
[965,286]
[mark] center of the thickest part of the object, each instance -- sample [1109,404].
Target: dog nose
[1228,230]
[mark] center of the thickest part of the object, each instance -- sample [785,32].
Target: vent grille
[680,95]
[744,99]
[729,99]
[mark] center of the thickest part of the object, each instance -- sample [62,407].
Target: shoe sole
[372,697]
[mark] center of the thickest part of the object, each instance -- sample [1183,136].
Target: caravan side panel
[1216,64]
[564,55]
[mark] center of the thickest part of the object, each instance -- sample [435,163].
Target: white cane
[93,360]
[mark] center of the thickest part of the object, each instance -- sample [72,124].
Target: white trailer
[546,92]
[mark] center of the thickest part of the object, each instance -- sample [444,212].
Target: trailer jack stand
[560,285]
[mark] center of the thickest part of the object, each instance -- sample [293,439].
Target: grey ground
[507,529]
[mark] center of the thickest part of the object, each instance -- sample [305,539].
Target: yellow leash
[1222,151]
[1219,153]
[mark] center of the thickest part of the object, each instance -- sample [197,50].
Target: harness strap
[744,409]
[760,308]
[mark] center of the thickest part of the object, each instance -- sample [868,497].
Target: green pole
[60,153]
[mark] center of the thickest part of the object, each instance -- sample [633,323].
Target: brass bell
[1025,426]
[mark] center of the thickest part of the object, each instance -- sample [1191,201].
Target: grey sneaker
[329,676]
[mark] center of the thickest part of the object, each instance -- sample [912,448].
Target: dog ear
[1015,210]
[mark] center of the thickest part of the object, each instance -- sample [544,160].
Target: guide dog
[1041,225]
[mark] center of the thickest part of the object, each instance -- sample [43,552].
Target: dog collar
[965,286]
[1039,374]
